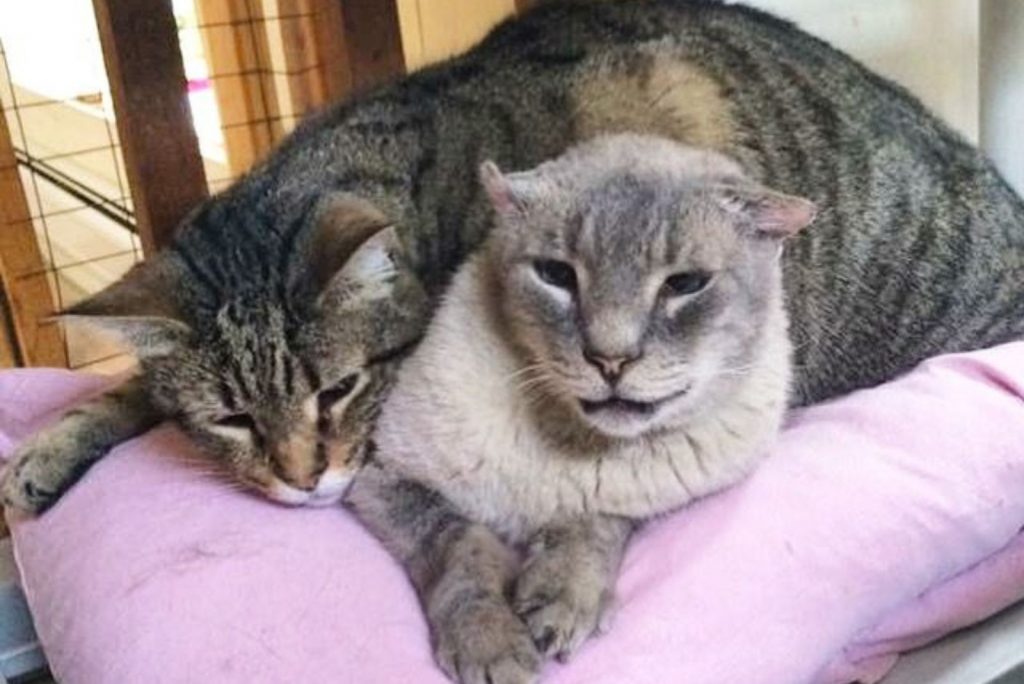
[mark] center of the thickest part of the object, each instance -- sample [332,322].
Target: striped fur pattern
[625,336]
[917,250]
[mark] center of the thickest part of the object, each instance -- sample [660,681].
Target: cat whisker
[738,370]
[525,370]
[535,386]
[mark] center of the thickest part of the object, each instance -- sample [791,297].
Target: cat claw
[560,619]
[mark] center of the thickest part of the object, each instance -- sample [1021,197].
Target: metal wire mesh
[55,100]
[254,70]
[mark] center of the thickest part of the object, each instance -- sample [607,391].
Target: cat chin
[290,496]
[621,423]
[628,419]
[329,491]
[324,501]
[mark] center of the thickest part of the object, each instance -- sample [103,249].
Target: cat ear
[148,336]
[341,224]
[498,189]
[510,195]
[373,267]
[140,308]
[773,214]
[355,248]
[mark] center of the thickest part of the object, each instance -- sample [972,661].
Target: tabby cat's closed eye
[332,395]
[238,421]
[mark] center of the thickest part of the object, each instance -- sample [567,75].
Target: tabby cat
[617,348]
[271,327]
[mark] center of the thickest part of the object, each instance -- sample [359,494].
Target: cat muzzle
[619,404]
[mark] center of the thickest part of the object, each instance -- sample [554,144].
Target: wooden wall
[435,29]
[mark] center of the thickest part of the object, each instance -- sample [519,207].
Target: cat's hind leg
[43,467]
[565,589]
[461,572]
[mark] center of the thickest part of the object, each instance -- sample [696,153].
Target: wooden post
[23,273]
[330,39]
[8,350]
[372,40]
[433,31]
[358,44]
[147,82]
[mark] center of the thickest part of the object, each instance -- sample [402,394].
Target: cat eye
[556,273]
[239,421]
[682,284]
[332,395]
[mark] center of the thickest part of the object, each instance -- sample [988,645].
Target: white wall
[52,46]
[1002,86]
[963,58]
[929,46]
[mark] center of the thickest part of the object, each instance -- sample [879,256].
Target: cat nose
[609,366]
[299,471]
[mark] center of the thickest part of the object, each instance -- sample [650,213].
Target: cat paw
[34,479]
[485,643]
[561,606]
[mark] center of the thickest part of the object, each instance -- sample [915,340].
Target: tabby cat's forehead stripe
[289,375]
[276,375]
[227,397]
[240,379]
[310,372]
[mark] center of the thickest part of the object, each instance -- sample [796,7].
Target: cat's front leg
[44,466]
[462,573]
[566,586]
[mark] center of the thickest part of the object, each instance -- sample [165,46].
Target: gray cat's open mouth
[620,405]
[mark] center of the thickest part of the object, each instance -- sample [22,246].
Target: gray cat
[261,340]
[616,349]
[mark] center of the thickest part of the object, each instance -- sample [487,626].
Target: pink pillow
[880,521]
